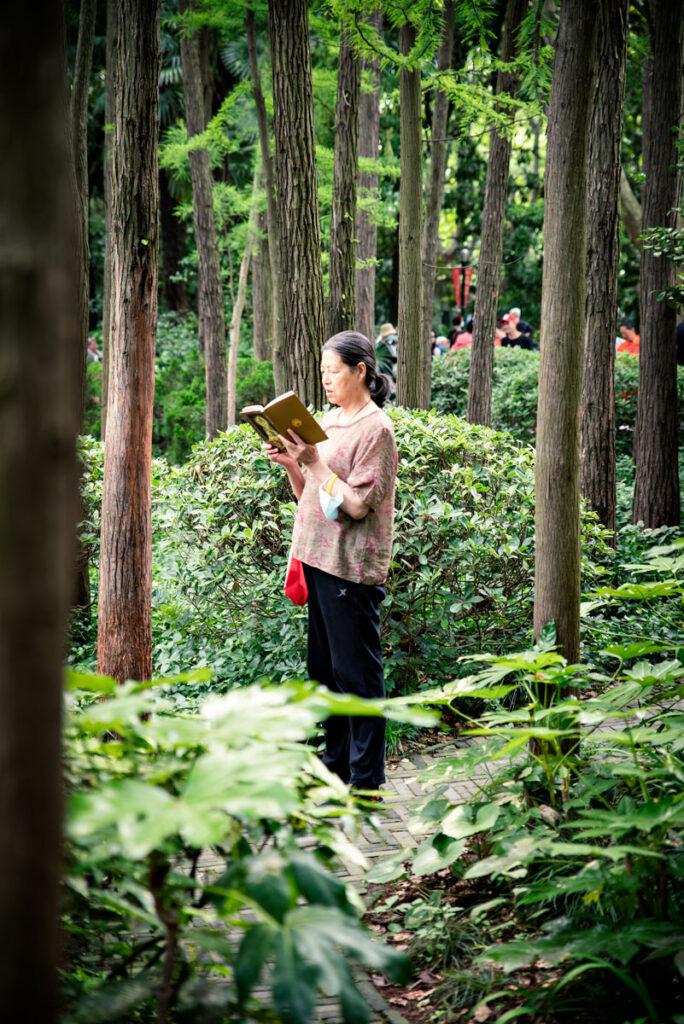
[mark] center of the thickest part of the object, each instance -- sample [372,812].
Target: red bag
[295,581]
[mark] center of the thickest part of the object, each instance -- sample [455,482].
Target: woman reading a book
[343,536]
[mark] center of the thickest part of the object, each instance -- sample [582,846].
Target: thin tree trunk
[557,563]
[124,621]
[39,370]
[630,210]
[212,324]
[434,193]
[272,214]
[108,191]
[234,332]
[491,238]
[172,246]
[342,274]
[656,473]
[410,386]
[262,295]
[597,444]
[297,186]
[367,190]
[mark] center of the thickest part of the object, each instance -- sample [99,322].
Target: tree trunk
[125,630]
[262,295]
[557,536]
[39,370]
[79,139]
[172,247]
[297,186]
[272,215]
[367,189]
[433,197]
[656,475]
[211,316]
[630,210]
[410,386]
[108,191]
[491,238]
[342,297]
[597,444]
[234,332]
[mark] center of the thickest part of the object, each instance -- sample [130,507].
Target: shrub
[460,577]
[514,393]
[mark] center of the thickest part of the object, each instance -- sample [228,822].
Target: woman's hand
[299,450]
[282,458]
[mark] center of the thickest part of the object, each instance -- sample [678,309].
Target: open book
[283,413]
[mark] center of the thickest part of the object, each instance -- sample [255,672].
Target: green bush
[514,393]
[460,577]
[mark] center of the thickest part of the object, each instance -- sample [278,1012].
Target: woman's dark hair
[354,348]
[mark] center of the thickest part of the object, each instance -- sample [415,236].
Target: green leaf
[257,944]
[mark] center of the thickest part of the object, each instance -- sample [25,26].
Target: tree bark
[342,274]
[557,535]
[630,209]
[434,193]
[491,238]
[172,246]
[39,370]
[234,332]
[410,386]
[211,316]
[656,476]
[125,629]
[367,189]
[297,187]
[262,295]
[272,215]
[597,443]
[108,191]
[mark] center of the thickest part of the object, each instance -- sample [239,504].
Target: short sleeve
[374,467]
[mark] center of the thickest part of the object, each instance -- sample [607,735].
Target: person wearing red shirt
[631,338]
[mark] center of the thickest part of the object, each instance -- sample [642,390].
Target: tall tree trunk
[212,324]
[172,247]
[597,445]
[234,332]
[124,626]
[410,386]
[79,138]
[630,210]
[262,295]
[39,370]
[297,186]
[434,193]
[656,477]
[108,192]
[491,237]
[557,564]
[367,189]
[272,215]
[342,297]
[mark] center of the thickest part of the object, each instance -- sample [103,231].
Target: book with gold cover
[286,412]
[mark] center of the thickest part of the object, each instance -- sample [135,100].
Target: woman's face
[343,385]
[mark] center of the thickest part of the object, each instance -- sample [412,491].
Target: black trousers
[343,653]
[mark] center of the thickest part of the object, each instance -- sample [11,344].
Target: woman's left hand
[300,450]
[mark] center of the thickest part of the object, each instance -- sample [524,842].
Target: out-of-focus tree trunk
[434,193]
[236,319]
[212,324]
[262,295]
[491,238]
[367,191]
[125,592]
[656,471]
[557,534]
[172,239]
[410,383]
[597,444]
[297,188]
[39,412]
[107,283]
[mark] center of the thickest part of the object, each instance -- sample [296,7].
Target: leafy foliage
[186,883]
